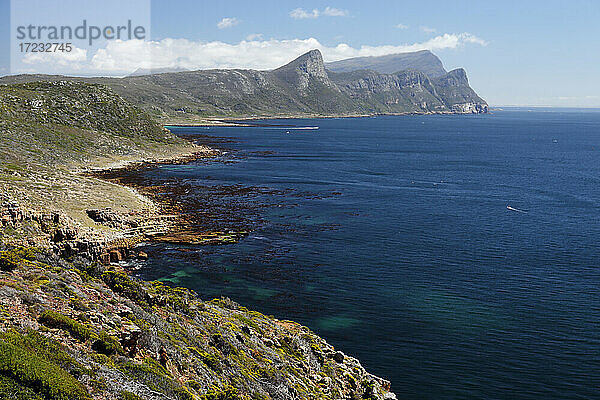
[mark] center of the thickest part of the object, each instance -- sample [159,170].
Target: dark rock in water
[338,357]
[115,256]
[142,256]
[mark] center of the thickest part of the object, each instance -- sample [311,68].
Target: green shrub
[225,393]
[369,393]
[177,298]
[103,343]
[152,374]
[54,319]
[194,385]
[46,348]
[148,367]
[123,284]
[78,304]
[211,360]
[11,389]
[107,344]
[12,259]
[39,374]
[125,395]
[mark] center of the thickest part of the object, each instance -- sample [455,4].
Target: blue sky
[515,52]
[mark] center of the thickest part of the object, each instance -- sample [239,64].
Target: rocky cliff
[410,91]
[304,72]
[304,87]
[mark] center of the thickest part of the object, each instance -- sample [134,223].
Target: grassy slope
[50,130]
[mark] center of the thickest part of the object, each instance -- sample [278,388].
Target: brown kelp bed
[206,213]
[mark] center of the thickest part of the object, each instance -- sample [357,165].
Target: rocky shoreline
[73,324]
[79,330]
[145,340]
[67,237]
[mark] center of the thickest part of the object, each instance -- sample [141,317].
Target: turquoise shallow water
[456,256]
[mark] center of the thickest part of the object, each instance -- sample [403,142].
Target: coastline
[236,121]
[108,231]
[105,234]
[252,353]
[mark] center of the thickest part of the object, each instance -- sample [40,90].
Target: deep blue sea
[457,256]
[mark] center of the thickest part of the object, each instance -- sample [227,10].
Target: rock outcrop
[305,70]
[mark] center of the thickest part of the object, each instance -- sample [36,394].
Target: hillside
[52,131]
[79,331]
[302,88]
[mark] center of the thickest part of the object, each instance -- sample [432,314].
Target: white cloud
[227,22]
[427,29]
[73,58]
[301,13]
[402,26]
[334,12]
[123,57]
[468,38]
[254,36]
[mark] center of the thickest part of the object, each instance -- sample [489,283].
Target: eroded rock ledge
[66,237]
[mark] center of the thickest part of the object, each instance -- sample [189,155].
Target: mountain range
[402,83]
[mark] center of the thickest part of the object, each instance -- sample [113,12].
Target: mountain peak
[310,63]
[456,77]
[304,69]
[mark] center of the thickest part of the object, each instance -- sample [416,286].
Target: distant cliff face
[413,82]
[304,87]
[411,91]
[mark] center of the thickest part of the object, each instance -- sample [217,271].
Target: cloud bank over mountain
[122,57]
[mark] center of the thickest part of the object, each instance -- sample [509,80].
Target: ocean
[456,256]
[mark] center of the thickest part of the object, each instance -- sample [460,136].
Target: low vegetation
[22,364]
[51,129]
[151,341]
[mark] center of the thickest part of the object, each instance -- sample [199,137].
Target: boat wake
[295,128]
[515,209]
